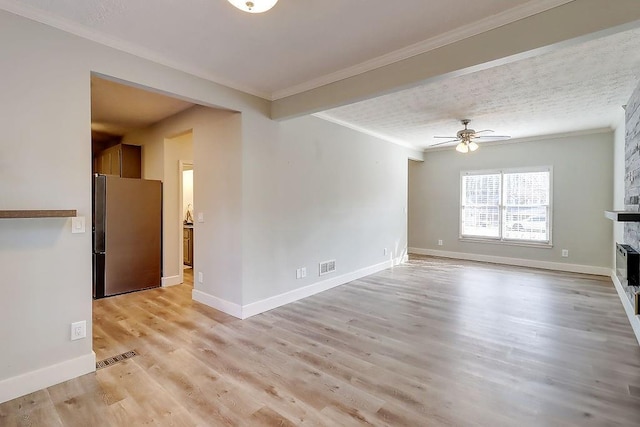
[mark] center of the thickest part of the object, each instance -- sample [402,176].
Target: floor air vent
[115,359]
[327,267]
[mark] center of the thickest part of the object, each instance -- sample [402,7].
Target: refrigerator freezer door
[133,235]
[98,275]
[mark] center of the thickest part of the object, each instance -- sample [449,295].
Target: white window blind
[481,205]
[507,205]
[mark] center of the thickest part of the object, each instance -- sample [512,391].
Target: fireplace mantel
[623,216]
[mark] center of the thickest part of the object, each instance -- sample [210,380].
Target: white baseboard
[219,304]
[520,262]
[628,306]
[171,281]
[315,288]
[39,379]
[252,309]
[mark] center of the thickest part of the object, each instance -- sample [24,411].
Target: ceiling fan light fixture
[466,138]
[254,6]
[462,148]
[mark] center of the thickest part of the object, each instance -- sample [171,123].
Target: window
[511,205]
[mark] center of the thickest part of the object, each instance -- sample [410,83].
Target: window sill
[541,245]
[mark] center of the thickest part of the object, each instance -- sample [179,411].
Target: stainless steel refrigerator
[127,235]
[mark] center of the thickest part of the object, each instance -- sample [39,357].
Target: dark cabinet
[187,243]
[121,160]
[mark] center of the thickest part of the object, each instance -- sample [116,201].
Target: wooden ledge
[38,214]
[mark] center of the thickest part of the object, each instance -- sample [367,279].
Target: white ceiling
[117,109]
[300,45]
[293,47]
[572,89]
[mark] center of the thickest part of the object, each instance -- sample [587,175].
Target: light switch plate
[200,217]
[78,224]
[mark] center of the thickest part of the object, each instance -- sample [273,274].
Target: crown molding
[486,24]
[381,136]
[514,14]
[85,32]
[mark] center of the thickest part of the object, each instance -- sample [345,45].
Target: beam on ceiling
[569,23]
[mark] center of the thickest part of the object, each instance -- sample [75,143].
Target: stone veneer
[632,167]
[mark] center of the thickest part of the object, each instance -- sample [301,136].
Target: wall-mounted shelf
[38,214]
[623,216]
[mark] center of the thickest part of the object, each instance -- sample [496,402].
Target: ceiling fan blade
[469,135]
[441,143]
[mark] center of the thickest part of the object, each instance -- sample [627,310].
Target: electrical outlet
[440,242]
[200,277]
[298,273]
[303,270]
[200,217]
[78,330]
[565,253]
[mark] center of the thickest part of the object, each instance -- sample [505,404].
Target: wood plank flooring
[434,342]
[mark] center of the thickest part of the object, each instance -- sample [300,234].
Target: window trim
[501,240]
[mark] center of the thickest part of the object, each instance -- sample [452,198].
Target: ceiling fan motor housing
[466,134]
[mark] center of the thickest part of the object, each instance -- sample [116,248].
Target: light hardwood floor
[433,342]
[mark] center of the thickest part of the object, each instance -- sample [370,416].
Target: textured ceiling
[572,89]
[291,46]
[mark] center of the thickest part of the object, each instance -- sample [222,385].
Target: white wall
[45,163]
[311,191]
[212,142]
[187,193]
[217,185]
[582,183]
[266,190]
[319,192]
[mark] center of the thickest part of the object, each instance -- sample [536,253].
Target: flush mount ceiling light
[255,6]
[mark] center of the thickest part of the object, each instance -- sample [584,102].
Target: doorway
[129,125]
[212,133]
[187,226]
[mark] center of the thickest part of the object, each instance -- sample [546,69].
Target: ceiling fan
[466,138]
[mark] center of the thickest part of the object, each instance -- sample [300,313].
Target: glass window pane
[480,215]
[526,207]
[481,221]
[481,190]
